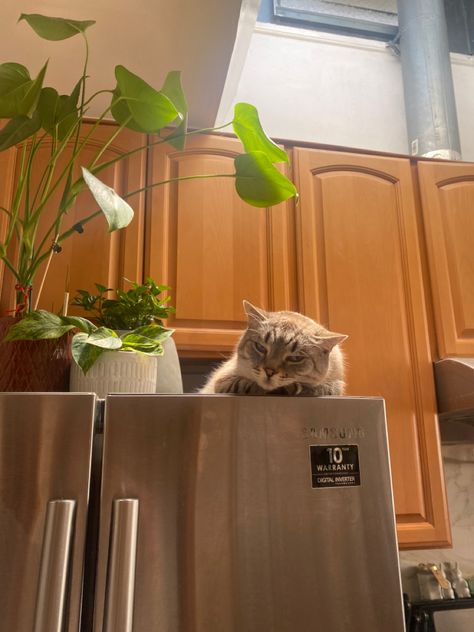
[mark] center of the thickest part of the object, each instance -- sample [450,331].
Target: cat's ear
[254,313]
[331,341]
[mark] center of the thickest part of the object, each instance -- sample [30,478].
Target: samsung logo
[330,432]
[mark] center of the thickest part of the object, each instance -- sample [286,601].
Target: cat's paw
[239,386]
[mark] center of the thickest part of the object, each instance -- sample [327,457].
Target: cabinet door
[447,192]
[360,274]
[211,248]
[95,255]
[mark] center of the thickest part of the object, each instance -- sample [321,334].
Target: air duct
[427,80]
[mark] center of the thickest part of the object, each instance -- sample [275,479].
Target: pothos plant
[38,114]
[133,321]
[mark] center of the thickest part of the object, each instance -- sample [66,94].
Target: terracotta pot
[33,365]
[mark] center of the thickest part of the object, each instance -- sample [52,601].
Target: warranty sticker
[335,465]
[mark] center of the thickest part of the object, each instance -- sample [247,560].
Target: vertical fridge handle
[120,589]
[54,570]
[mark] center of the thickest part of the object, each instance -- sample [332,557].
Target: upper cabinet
[95,255]
[447,191]
[360,273]
[213,249]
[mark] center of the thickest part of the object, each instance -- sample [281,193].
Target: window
[375,19]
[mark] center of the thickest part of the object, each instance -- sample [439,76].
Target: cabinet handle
[121,570]
[53,577]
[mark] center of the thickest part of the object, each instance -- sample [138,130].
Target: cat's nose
[269,371]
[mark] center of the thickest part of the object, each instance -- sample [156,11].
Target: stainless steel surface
[121,572]
[51,603]
[45,444]
[232,536]
[455,393]
[430,104]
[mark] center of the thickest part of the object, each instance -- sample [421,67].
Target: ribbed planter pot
[33,365]
[127,372]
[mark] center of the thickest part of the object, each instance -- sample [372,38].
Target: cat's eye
[260,348]
[295,358]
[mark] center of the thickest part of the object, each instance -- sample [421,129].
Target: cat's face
[280,348]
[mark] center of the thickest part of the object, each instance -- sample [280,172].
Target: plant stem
[43,279]
[161,141]
[178,179]
[90,217]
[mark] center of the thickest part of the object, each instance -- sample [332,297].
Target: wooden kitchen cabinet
[360,273]
[95,255]
[447,192]
[213,249]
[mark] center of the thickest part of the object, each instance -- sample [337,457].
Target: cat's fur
[281,353]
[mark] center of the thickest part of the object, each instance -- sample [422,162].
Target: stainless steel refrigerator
[217,514]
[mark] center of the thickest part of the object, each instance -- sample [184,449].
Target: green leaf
[259,183]
[55,29]
[19,94]
[117,212]
[39,325]
[12,75]
[142,344]
[173,89]
[48,109]
[58,113]
[83,324]
[154,332]
[104,338]
[248,128]
[139,106]
[84,354]
[18,129]
[147,339]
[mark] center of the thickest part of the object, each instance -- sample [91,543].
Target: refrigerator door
[246,514]
[45,460]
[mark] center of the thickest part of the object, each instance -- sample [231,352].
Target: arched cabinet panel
[447,191]
[360,273]
[213,249]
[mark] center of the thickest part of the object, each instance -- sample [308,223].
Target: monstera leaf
[259,183]
[118,213]
[55,29]
[247,126]
[19,93]
[138,106]
[173,89]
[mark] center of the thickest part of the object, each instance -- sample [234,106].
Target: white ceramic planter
[126,372]
[168,374]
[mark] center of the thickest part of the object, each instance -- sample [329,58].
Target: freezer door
[45,460]
[246,514]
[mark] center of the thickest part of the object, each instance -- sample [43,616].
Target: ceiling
[149,37]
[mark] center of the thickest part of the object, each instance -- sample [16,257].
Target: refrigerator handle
[120,590]
[53,577]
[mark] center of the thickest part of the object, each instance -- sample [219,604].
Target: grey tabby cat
[281,353]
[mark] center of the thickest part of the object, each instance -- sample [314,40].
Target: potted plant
[130,324]
[38,114]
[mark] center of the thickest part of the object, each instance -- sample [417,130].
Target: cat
[281,353]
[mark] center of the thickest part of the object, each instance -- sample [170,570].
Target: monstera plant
[37,116]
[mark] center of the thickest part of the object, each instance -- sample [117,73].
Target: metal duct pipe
[427,80]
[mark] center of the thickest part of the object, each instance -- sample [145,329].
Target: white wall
[459,474]
[339,90]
